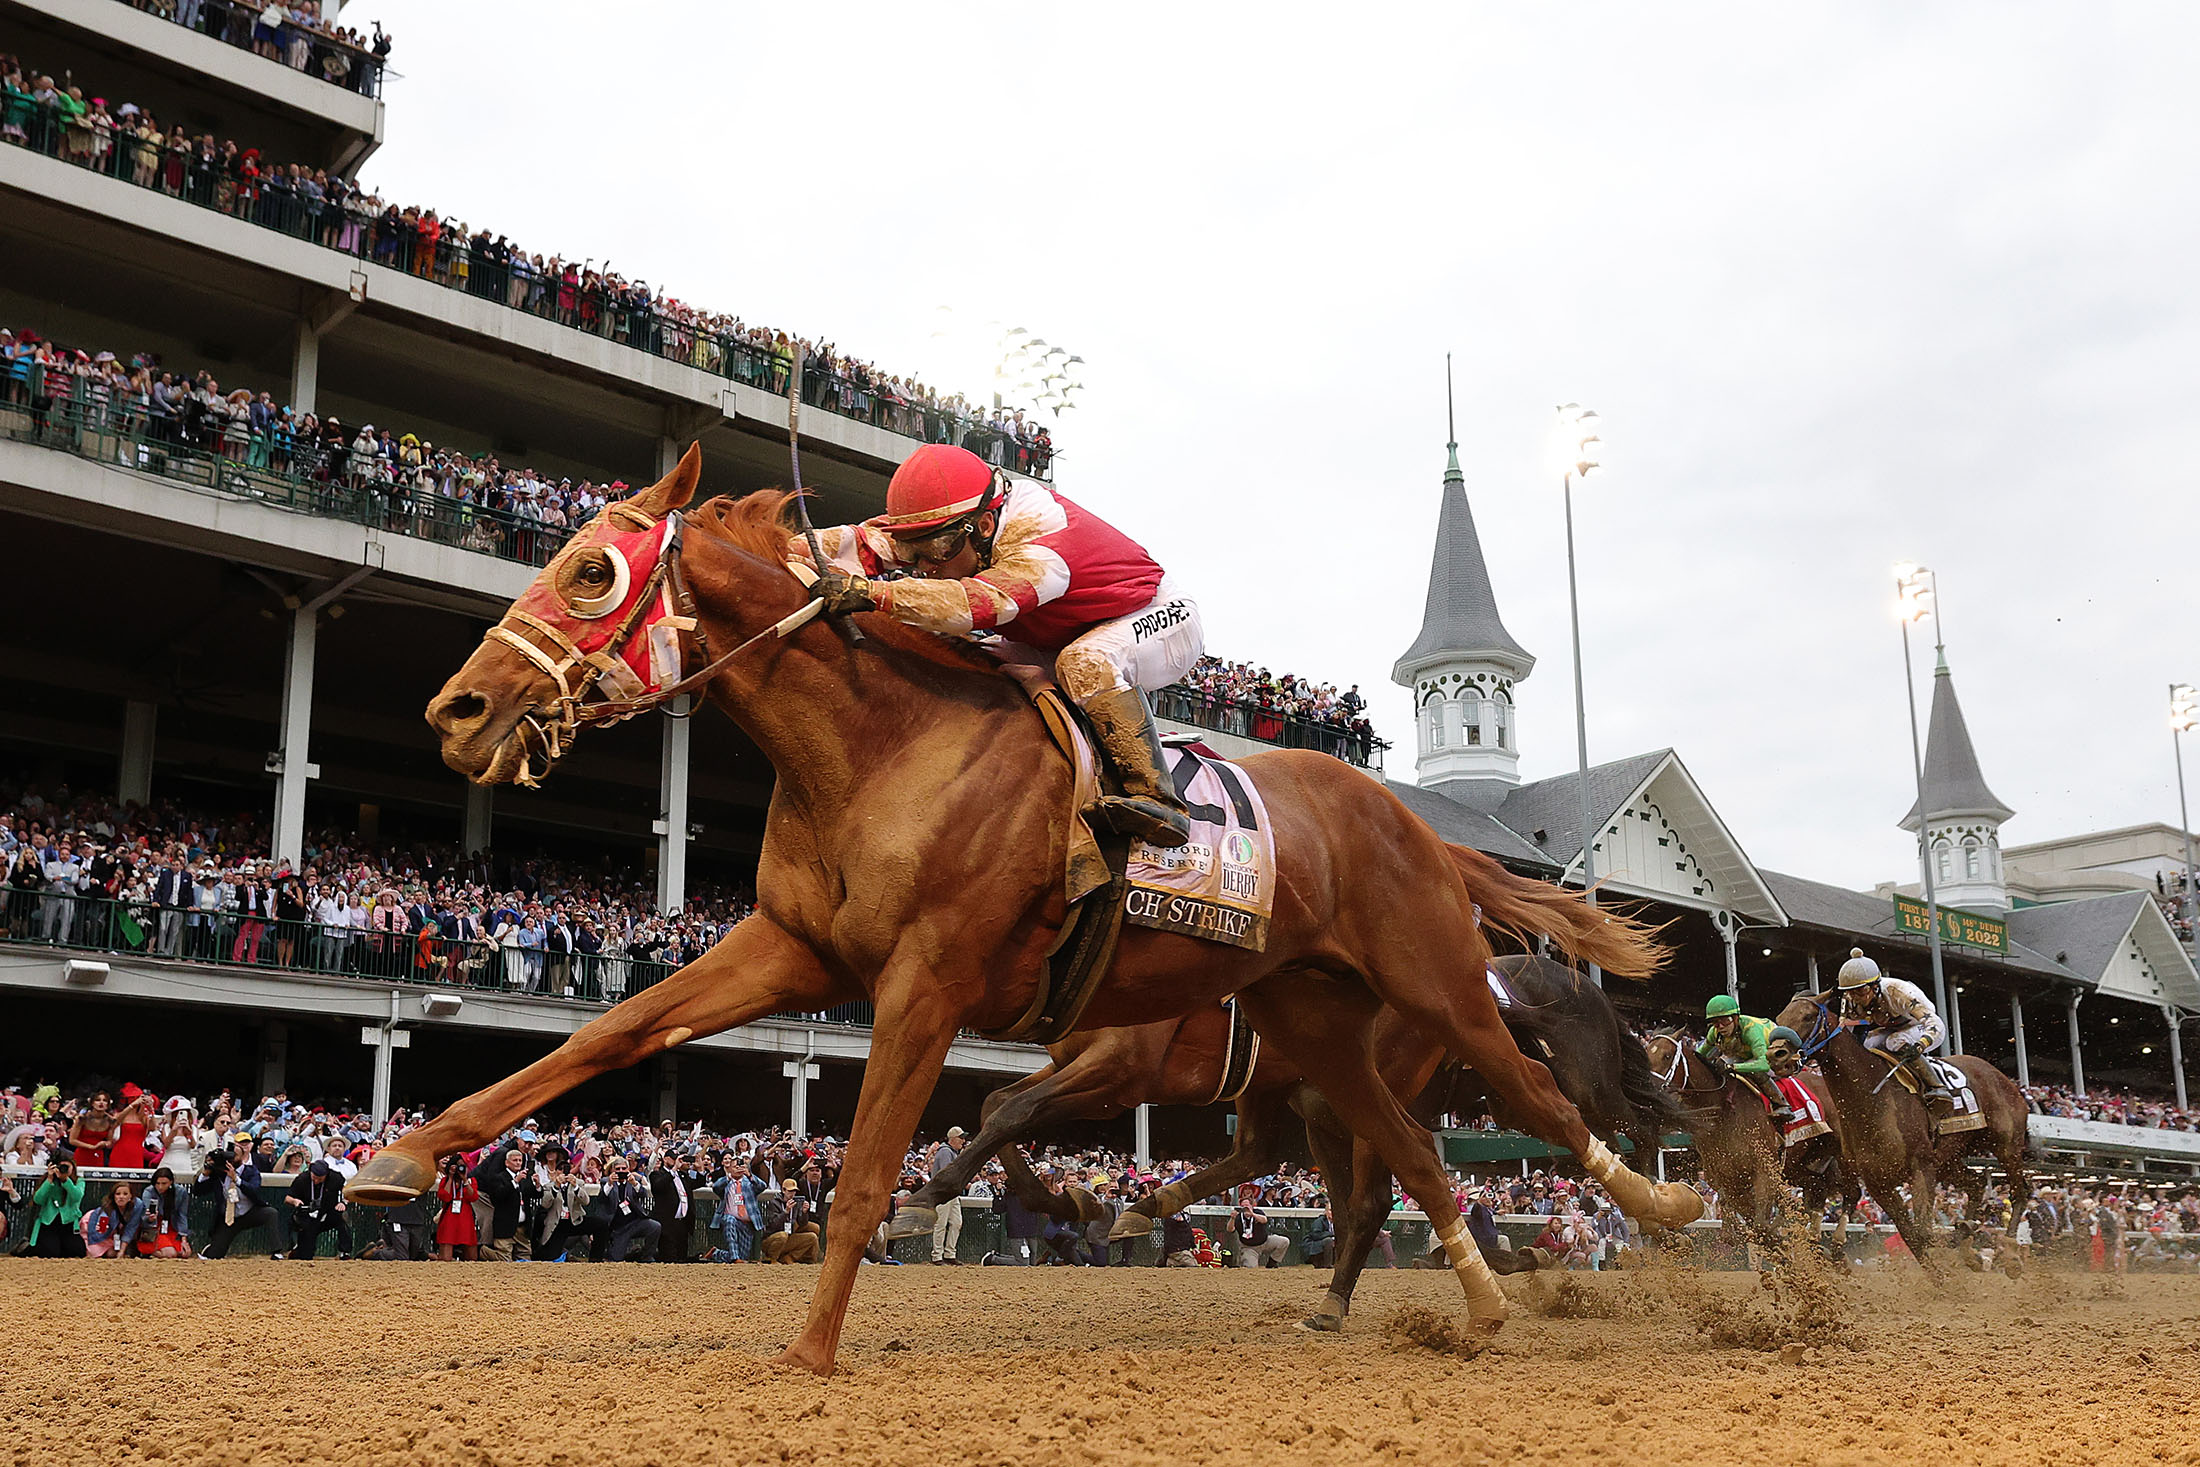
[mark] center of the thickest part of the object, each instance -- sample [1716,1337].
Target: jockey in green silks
[1736,1044]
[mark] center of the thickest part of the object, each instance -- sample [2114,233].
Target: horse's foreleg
[915,1025]
[1322,1025]
[1251,1154]
[756,969]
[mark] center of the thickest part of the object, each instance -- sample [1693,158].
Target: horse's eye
[592,573]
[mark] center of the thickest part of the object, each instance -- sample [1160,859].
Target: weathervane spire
[1451,417]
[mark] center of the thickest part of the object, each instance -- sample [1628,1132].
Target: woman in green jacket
[56,1208]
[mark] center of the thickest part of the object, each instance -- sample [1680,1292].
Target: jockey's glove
[843,593]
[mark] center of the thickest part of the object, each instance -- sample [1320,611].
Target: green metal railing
[310,206]
[269,467]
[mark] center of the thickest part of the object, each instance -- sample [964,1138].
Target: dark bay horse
[1741,1149]
[1094,1076]
[913,855]
[1887,1134]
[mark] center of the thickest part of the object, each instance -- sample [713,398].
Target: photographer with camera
[626,1198]
[57,1207]
[457,1230]
[231,1179]
[316,1202]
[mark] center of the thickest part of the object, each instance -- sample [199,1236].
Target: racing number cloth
[1221,883]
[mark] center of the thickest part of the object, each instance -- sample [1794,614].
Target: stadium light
[1916,592]
[1576,442]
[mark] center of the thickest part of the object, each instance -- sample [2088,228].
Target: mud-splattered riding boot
[1148,807]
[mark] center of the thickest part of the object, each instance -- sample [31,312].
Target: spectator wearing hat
[737,1209]
[315,1202]
[947,1230]
[790,1233]
[672,1184]
[561,1213]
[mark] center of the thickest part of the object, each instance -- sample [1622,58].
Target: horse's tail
[1524,908]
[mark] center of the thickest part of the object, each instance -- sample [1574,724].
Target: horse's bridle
[577,674]
[1822,1031]
[1678,1069]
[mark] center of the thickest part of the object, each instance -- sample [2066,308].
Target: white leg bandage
[1485,1300]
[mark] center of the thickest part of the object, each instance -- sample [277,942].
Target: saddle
[1809,1119]
[1948,1120]
[1219,886]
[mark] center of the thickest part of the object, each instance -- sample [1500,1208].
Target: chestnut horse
[913,855]
[1887,1134]
[1740,1148]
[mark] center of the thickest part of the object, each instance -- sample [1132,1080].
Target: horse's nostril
[461,708]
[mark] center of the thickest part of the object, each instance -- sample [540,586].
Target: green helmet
[1722,1006]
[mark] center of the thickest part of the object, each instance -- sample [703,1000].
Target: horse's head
[1811,1015]
[602,620]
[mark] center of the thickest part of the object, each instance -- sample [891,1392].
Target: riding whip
[849,629]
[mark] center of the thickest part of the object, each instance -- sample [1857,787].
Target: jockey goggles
[937,547]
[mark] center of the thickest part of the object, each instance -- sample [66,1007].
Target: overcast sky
[1849,284]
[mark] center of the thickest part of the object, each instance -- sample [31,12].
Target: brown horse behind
[913,856]
[1887,1134]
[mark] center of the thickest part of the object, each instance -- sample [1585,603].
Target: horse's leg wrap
[1667,1203]
[1485,1300]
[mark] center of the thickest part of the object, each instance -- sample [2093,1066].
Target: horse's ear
[675,489]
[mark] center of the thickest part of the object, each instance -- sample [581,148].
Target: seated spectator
[165,1229]
[111,1229]
[1320,1241]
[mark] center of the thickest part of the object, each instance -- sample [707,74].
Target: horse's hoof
[390,1178]
[1678,1204]
[911,1221]
[1533,1258]
[1130,1225]
[1323,1324]
[796,1357]
[1089,1209]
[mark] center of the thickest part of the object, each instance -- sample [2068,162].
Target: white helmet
[1858,972]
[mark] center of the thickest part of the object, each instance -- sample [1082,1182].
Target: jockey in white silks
[1903,1023]
[965,551]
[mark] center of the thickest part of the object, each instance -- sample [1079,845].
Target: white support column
[1730,930]
[480,810]
[2176,1019]
[305,367]
[134,780]
[274,1056]
[2077,1056]
[668,1088]
[296,730]
[387,1039]
[2016,1026]
[669,450]
[799,1072]
[672,806]
[1955,1018]
[1810,970]
[1142,1134]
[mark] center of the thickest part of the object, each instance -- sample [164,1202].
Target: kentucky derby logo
[1239,848]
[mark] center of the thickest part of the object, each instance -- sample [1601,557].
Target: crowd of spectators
[2117,1107]
[297,35]
[79,400]
[86,870]
[1252,702]
[127,142]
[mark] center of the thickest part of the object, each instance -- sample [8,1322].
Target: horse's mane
[760,524]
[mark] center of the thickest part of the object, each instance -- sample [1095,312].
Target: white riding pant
[1905,1042]
[1148,649]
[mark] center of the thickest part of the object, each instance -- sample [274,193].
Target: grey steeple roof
[1953,784]
[1461,615]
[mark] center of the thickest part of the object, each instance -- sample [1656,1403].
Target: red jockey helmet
[936,484]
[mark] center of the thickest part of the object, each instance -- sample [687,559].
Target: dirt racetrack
[596,1365]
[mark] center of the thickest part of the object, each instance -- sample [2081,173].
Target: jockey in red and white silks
[1904,1025]
[964,551]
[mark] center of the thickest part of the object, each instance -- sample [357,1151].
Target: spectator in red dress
[456,1230]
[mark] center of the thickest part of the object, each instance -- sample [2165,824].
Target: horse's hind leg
[1323,1026]
[1420,975]
[756,969]
[920,1213]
